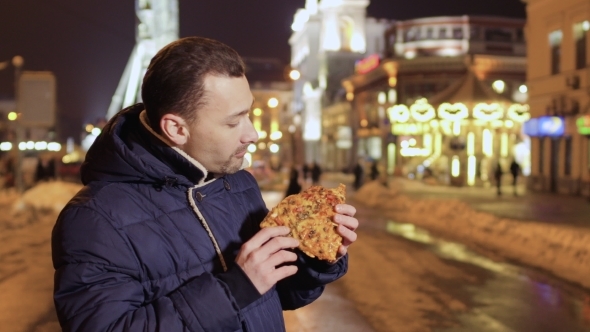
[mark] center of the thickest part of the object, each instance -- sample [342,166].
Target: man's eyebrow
[244,112]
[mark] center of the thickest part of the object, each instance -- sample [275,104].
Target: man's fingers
[281,257]
[284,272]
[346,221]
[276,244]
[263,236]
[348,236]
[346,209]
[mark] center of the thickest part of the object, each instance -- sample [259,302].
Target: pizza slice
[310,216]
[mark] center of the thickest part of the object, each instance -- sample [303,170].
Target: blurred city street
[461,131]
[399,279]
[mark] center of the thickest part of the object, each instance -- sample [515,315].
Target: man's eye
[233,125]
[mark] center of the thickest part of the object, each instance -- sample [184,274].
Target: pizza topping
[310,215]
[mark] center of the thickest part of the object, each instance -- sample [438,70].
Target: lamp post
[18,62]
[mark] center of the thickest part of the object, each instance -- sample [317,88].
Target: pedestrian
[316,173]
[165,234]
[498,172]
[306,172]
[515,170]
[40,172]
[294,186]
[374,171]
[358,175]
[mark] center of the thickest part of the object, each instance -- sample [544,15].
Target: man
[165,234]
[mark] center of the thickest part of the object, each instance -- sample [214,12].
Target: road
[400,279]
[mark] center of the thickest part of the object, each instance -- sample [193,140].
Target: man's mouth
[241,152]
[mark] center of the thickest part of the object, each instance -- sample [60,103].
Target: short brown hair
[174,80]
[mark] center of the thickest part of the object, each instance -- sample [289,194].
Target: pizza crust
[310,216]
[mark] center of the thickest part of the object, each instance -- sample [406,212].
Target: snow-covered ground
[562,250]
[26,222]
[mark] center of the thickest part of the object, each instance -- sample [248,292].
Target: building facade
[446,98]
[558,77]
[271,114]
[329,36]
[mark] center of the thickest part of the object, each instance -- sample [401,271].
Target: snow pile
[563,250]
[46,196]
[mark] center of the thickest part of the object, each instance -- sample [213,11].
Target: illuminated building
[329,36]
[558,80]
[271,113]
[447,95]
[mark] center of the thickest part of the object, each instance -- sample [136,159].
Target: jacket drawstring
[206,226]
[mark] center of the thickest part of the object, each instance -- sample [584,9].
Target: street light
[294,74]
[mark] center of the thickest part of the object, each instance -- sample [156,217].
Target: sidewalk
[527,206]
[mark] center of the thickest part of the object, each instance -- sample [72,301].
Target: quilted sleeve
[98,285]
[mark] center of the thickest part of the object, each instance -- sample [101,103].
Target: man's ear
[174,128]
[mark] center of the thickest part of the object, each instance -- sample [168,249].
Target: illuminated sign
[519,112]
[453,112]
[399,113]
[551,126]
[410,128]
[488,112]
[583,124]
[545,126]
[422,111]
[367,64]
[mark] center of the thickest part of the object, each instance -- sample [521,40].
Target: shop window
[555,38]
[567,167]
[411,34]
[519,35]
[541,155]
[498,35]
[474,33]
[580,37]
[458,33]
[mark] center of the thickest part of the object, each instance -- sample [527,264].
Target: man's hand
[347,224]
[260,256]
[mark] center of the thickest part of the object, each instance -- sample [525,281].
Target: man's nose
[251,134]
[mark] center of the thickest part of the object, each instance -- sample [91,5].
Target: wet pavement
[401,279]
[511,298]
[526,205]
[331,312]
[505,296]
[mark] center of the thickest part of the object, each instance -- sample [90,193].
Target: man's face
[220,136]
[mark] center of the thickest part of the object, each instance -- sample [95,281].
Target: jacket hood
[128,150]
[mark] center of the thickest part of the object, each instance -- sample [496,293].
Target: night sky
[87,44]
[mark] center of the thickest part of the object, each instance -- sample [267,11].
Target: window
[567,167]
[429,33]
[474,33]
[519,35]
[555,38]
[580,33]
[498,35]
[458,33]
[411,34]
[442,33]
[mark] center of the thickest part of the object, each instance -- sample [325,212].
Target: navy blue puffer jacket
[149,244]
